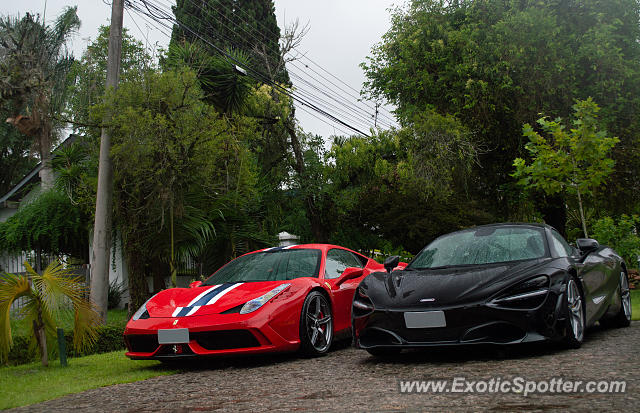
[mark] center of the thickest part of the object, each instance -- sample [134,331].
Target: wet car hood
[445,286]
[183,302]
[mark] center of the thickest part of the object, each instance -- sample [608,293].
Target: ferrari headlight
[253,305]
[526,295]
[142,311]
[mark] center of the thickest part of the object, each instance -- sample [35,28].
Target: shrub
[620,235]
[114,295]
[110,338]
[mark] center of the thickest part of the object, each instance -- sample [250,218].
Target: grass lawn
[31,383]
[635,304]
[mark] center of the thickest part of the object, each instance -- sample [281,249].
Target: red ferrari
[276,299]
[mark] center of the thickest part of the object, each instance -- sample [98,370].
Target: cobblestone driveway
[351,380]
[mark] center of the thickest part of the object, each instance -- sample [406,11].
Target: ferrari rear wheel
[316,325]
[575,315]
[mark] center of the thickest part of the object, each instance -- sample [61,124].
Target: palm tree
[48,298]
[34,64]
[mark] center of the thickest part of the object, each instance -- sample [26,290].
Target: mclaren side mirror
[349,273]
[587,245]
[195,284]
[391,262]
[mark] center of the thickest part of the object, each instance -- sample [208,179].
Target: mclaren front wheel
[575,320]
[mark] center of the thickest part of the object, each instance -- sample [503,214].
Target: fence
[14,264]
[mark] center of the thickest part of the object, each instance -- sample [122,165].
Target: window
[338,260]
[277,265]
[483,245]
[560,244]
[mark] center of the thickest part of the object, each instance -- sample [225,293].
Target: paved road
[351,380]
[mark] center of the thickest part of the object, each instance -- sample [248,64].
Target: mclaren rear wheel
[316,325]
[623,317]
[575,324]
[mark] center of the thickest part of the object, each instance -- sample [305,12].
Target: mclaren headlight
[253,305]
[142,312]
[526,295]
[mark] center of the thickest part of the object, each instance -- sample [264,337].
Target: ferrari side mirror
[391,262]
[587,245]
[349,274]
[195,284]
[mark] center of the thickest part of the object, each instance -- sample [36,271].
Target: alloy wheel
[625,295]
[576,314]
[319,323]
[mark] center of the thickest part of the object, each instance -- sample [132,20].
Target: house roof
[34,172]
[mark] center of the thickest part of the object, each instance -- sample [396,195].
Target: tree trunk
[554,212]
[584,223]
[138,287]
[41,339]
[104,193]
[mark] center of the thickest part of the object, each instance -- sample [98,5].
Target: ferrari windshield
[274,265]
[484,245]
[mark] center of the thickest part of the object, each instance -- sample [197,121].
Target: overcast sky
[341,32]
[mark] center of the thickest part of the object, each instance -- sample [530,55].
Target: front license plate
[425,319]
[173,336]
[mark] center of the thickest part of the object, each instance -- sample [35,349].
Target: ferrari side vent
[142,343]
[225,339]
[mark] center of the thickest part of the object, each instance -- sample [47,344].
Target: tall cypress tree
[246,25]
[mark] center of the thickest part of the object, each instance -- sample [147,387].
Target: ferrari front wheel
[316,325]
[574,331]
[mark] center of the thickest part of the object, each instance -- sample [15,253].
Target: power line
[357,114]
[303,56]
[161,16]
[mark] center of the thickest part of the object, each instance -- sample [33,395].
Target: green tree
[496,65]
[248,26]
[620,234]
[574,162]
[48,297]
[16,157]
[178,165]
[88,76]
[399,189]
[50,223]
[33,75]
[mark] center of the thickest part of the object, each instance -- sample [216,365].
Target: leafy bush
[110,338]
[114,295]
[621,235]
[50,223]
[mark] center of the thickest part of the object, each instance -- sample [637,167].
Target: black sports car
[500,284]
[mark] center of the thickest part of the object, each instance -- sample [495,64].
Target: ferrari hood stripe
[202,294]
[219,295]
[208,297]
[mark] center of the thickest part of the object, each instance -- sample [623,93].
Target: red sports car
[275,299]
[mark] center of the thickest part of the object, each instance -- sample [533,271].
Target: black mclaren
[497,284]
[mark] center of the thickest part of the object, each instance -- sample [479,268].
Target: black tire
[623,317]
[575,315]
[384,352]
[316,325]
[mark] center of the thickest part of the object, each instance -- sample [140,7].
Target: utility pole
[102,225]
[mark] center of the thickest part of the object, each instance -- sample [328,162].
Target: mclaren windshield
[273,265]
[484,245]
